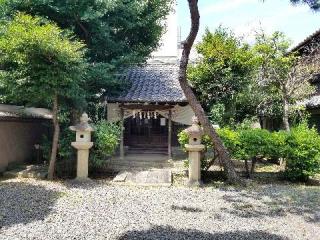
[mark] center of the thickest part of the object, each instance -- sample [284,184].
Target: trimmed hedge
[300,148]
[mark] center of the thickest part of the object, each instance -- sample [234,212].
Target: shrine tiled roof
[152,83]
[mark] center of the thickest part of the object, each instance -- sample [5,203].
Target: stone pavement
[154,177]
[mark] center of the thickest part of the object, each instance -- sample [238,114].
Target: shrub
[300,148]
[231,141]
[255,142]
[278,145]
[106,138]
[303,153]
[66,156]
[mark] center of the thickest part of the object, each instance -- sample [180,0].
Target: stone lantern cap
[195,129]
[83,126]
[194,133]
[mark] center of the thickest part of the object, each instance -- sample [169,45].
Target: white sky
[244,17]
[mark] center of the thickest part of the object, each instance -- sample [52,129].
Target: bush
[66,156]
[106,138]
[231,141]
[255,143]
[278,145]
[300,148]
[303,153]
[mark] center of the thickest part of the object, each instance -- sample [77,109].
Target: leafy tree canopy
[222,77]
[118,30]
[116,33]
[282,74]
[40,63]
[39,60]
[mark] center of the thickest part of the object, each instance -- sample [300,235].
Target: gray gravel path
[31,209]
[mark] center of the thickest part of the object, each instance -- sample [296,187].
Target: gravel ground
[31,209]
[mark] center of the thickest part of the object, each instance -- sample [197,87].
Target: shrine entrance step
[154,177]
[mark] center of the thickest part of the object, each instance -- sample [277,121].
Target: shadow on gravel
[276,201]
[186,209]
[24,203]
[159,232]
[85,184]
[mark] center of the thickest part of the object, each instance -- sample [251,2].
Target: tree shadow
[276,201]
[186,209]
[167,232]
[84,184]
[22,203]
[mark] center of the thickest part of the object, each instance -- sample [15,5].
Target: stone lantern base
[194,164]
[82,158]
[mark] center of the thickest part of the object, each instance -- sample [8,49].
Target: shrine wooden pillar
[122,133]
[170,134]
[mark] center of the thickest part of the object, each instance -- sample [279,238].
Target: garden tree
[284,72]
[40,63]
[116,33]
[194,103]
[223,76]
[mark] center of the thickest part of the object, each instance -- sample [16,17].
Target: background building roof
[152,83]
[307,41]
[12,111]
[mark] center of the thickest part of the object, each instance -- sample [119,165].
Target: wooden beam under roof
[146,107]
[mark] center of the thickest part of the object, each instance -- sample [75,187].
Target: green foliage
[255,143]
[66,156]
[283,77]
[300,148]
[217,113]
[109,28]
[116,33]
[278,145]
[38,60]
[223,76]
[183,139]
[303,156]
[231,141]
[106,139]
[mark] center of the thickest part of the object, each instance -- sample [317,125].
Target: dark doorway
[146,132]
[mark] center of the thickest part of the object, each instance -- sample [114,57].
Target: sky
[245,17]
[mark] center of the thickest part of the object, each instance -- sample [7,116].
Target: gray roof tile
[12,111]
[152,83]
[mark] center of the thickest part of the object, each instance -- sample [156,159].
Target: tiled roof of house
[313,102]
[307,41]
[152,83]
[12,111]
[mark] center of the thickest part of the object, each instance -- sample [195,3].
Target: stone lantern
[82,144]
[194,148]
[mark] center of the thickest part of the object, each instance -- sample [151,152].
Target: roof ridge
[306,40]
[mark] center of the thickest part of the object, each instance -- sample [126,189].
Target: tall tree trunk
[285,117]
[55,139]
[194,103]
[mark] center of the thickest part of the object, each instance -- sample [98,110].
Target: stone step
[149,151]
[130,165]
[126,163]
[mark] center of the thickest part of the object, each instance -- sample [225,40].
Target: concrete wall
[17,140]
